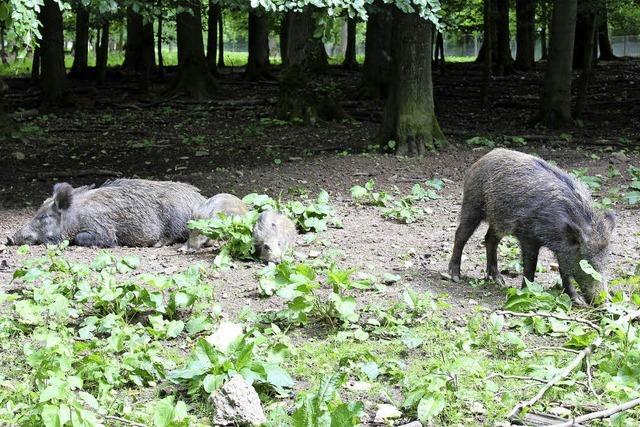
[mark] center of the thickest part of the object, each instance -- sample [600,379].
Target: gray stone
[412,424]
[237,403]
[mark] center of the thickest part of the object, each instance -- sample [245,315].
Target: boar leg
[530,250]
[570,290]
[491,241]
[469,221]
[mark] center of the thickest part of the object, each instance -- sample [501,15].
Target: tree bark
[6,124]
[102,52]
[488,54]
[53,73]
[376,71]
[505,60]
[544,16]
[148,60]
[525,34]
[305,93]
[35,63]
[258,66]
[284,38]
[409,116]
[81,44]
[193,77]
[556,101]
[134,44]
[604,42]
[213,17]
[3,50]
[439,54]
[591,33]
[159,42]
[350,61]
[221,40]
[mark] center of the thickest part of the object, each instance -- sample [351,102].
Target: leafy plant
[592,182]
[404,211]
[368,196]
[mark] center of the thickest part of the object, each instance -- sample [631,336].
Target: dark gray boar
[223,202]
[521,195]
[123,212]
[273,235]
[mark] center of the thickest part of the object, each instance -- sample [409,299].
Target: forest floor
[232,143]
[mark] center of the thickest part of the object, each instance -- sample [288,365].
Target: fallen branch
[606,413]
[555,316]
[547,348]
[125,421]
[556,379]
[514,377]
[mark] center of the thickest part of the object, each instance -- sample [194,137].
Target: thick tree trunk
[221,40]
[134,45]
[193,76]
[409,115]
[305,94]
[488,58]
[102,52]
[53,73]
[505,60]
[350,62]
[258,66]
[284,38]
[604,42]
[556,102]
[35,63]
[148,60]
[589,57]
[159,42]
[81,44]
[525,34]
[376,71]
[213,17]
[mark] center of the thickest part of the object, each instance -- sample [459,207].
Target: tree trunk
[159,45]
[604,42]
[212,35]
[6,124]
[81,51]
[221,40]
[3,50]
[134,45]
[258,66]
[148,60]
[35,63]
[305,94]
[588,58]
[193,76]
[504,60]
[350,62]
[102,52]
[544,16]
[53,73]
[525,34]
[284,38]
[556,102]
[439,54]
[409,116]
[376,71]
[488,58]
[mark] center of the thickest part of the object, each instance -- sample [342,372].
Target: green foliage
[368,196]
[633,196]
[592,182]
[404,211]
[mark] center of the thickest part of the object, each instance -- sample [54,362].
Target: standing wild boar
[273,235]
[122,212]
[223,202]
[521,195]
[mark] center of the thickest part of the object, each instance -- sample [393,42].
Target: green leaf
[278,377]
[371,370]
[430,407]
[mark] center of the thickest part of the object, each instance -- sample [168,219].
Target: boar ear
[609,220]
[573,233]
[62,195]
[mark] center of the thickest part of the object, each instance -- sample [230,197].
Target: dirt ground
[232,144]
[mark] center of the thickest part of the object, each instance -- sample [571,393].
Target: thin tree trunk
[440,52]
[525,34]
[544,6]
[305,93]
[6,124]
[409,116]
[591,32]
[258,66]
[35,63]
[376,71]
[350,62]
[159,44]
[556,101]
[604,42]
[102,52]
[3,50]
[221,40]
[488,62]
[53,73]
[212,35]
[81,45]
[193,77]
[284,37]
[147,62]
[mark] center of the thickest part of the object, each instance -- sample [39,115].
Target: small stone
[358,386]
[237,403]
[561,412]
[226,333]
[477,408]
[19,155]
[619,157]
[472,302]
[412,424]
[445,276]
[314,254]
[3,248]
[554,266]
[428,211]
[386,412]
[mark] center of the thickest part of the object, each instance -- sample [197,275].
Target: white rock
[386,412]
[226,333]
[412,424]
[237,403]
[358,386]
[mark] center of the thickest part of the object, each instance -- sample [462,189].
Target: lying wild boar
[521,195]
[273,235]
[122,212]
[223,202]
